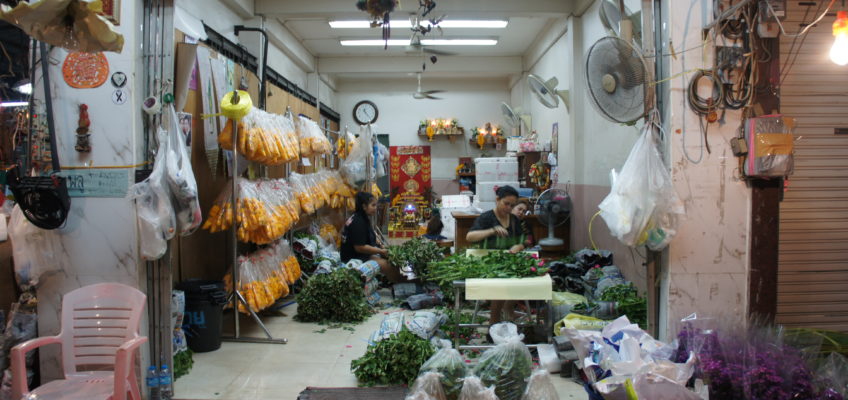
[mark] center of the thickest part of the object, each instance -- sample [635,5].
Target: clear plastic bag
[450,366]
[642,207]
[540,387]
[427,386]
[36,252]
[154,211]
[355,169]
[770,146]
[506,366]
[312,138]
[181,179]
[473,389]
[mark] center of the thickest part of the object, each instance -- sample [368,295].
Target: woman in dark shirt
[501,230]
[498,228]
[359,240]
[521,210]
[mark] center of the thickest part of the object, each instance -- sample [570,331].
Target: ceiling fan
[425,94]
[415,47]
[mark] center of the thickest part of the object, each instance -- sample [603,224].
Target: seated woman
[359,240]
[522,210]
[434,228]
[499,229]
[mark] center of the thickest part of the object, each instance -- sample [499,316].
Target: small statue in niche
[84,123]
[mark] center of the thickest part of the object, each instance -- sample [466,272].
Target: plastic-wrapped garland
[263,137]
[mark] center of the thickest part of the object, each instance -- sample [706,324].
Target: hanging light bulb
[839,51]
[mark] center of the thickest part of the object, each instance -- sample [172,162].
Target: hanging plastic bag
[540,387]
[154,212]
[35,251]
[506,366]
[427,386]
[642,207]
[181,179]
[355,169]
[449,365]
[473,389]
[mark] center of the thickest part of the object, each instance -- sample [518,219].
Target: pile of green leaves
[500,242]
[183,361]
[507,367]
[418,252]
[333,297]
[628,302]
[392,361]
[493,265]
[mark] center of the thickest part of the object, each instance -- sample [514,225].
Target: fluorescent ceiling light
[474,24]
[374,42]
[25,88]
[14,104]
[404,23]
[459,42]
[424,42]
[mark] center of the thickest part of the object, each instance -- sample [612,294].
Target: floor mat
[381,393]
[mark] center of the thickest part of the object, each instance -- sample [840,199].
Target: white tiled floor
[272,371]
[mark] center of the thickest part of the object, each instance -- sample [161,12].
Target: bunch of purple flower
[754,364]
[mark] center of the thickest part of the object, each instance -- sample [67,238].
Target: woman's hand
[517,248]
[500,231]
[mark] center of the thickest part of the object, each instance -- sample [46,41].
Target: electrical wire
[592,241]
[806,28]
[785,72]
[701,105]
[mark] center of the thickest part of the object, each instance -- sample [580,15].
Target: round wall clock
[365,112]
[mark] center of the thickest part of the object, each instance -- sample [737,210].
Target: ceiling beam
[290,45]
[401,64]
[466,8]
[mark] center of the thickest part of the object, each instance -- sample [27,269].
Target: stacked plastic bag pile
[266,138]
[504,372]
[265,275]
[166,202]
[624,362]
[368,272]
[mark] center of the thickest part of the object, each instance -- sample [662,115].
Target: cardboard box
[501,169]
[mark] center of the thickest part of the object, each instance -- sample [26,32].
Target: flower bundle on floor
[753,364]
[392,361]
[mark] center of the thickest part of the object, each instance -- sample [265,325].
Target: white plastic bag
[181,179]
[427,387]
[36,251]
[642,206]
[355,169]
[473,389]
[540,387]
[154,212]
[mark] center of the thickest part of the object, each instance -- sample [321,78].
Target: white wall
[221,17]
[589,145]
[708,260]
[472,102]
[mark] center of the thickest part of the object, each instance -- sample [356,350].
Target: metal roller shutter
[813,261]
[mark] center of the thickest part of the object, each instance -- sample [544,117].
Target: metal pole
[234,232]
[236,296]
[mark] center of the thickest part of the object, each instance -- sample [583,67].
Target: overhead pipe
[241,28]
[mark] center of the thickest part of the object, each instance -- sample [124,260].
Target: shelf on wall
[451,137]
[494,145]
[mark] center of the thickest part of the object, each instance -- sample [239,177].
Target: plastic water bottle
[165,383]
[153,383]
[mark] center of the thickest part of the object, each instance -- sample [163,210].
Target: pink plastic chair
[99,328]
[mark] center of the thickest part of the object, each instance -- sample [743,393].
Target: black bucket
[204,309]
